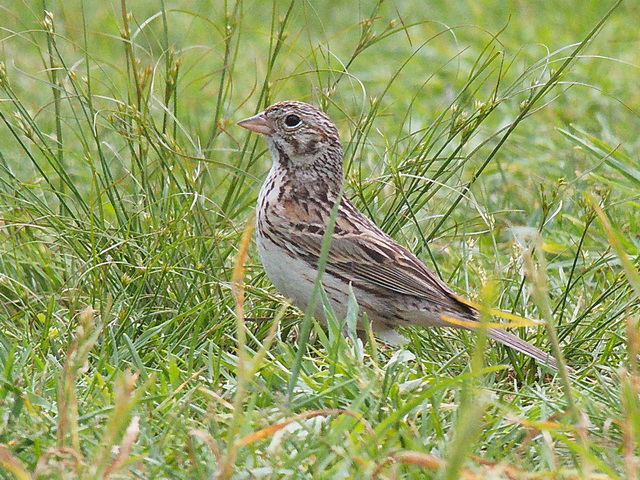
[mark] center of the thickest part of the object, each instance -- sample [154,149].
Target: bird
[391,284]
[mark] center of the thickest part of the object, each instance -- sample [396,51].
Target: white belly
[294,278]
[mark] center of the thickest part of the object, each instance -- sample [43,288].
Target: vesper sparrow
[390,283]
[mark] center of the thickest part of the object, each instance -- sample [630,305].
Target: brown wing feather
[363,253]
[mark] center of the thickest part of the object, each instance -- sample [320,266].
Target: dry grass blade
[424,460]
[516,320]
[237,285]
[103,463]
[492,469]
[124,449]
[86,335]
[216,397]
[179,389]
[272,429]
[11,463]
[209,442]
[243,371]
[522,322]
[418,458]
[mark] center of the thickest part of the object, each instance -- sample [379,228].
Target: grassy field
[497,140]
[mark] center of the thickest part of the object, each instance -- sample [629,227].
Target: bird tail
[515,342]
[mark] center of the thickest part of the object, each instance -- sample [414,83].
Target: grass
[497,140]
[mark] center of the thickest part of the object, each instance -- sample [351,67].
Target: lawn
[140,337]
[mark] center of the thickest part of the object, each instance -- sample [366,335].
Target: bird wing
[361,253]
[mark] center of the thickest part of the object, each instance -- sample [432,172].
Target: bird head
[298,134]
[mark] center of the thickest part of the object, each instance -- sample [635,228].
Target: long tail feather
[515,342]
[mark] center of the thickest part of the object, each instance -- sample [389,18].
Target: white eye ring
[292,120]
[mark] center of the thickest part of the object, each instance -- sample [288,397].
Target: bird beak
[257,123]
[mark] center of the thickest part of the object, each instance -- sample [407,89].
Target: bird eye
[292,120]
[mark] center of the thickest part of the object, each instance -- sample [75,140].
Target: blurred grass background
[125,189]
